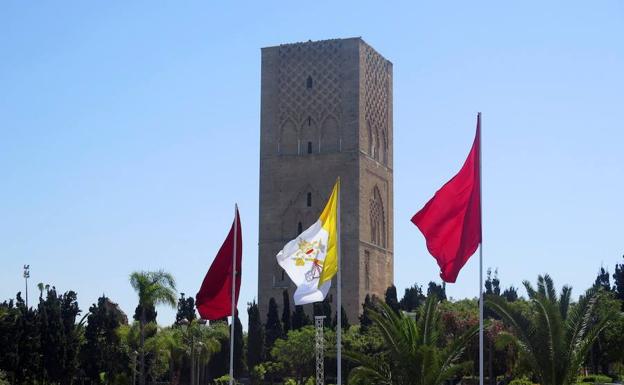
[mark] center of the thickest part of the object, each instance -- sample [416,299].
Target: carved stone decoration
[376,108]
[310,91]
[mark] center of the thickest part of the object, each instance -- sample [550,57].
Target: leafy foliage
[286,323]
[186,309]
[436,290]
[391,298]
[296,352]
[273,328]
[344,320]
[153,288]
[255,336]
[300,318]
[412,349]
[102,351]
[412,299]
[555,336]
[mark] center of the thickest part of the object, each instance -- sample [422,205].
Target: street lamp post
[26,276]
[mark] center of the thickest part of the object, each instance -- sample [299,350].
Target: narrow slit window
[299,228]
[309,147]
[309,120]
[309,82]
[309,200]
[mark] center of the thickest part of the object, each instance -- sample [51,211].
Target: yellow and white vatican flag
[311,259]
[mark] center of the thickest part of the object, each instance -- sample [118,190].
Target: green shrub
[596,379]
[3,378]
[223,380]
[521,381]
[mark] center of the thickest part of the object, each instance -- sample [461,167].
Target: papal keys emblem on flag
[308,252]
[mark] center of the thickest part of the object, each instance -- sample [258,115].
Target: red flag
[451,220]
[214,299]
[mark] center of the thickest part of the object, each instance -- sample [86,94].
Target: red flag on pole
[451,220]
[214,299]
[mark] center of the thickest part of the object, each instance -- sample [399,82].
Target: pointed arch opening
[377,219]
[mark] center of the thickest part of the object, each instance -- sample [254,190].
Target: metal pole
[233,295]
[26,276]
[480,260]
[320,350]
[339,302]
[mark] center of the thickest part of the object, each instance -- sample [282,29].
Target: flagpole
[233,321]
[480,259]
[339,302]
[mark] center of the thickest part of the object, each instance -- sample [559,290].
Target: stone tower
[327,112]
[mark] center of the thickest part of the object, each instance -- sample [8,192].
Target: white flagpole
[233,321]
[480,261]
[339,302]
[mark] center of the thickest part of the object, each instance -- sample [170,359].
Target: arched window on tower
[377,219]
[309,82]
[309,200]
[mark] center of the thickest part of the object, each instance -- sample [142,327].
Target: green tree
[618,283]
[255,336]
[412,298]
[239,362]
[297,352]
[365,318]
[273,327]
[602,280]
[220,362]
[437,290]
[510,294]
[59,336]
[323,308]
[300,318]
[102,351]
[28,368]
[555,336]
[186,309]
[492,283]
[286,323]
[412,349]
[154,288]
[9,337]
[344,320]
[391,298]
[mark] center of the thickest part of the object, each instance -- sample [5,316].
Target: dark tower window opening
[309,120]
[309,200]
[299,228]
[309,82]
[283,275]
[309,147]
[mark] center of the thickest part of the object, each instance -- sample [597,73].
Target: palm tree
[554,335]
[412,352]
[154,288]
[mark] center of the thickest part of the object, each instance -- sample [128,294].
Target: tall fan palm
[154,288]
[555,335]
[412,349]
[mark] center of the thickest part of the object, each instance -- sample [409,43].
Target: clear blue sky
[129,130]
